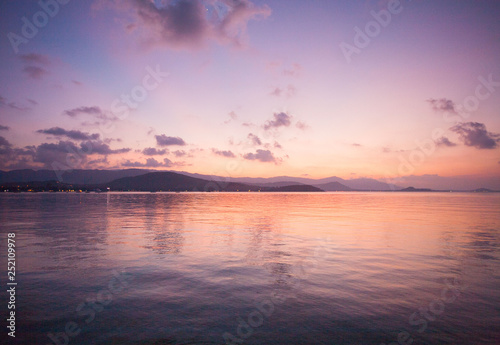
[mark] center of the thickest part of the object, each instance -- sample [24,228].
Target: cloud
[191,23]
[94,110]
[261,155]
[68,153]
[13,105]
[289,91]
[301,125]
[5,145]
[73,134]
[475,134]
[232,117]
[228,154]
[35,72]
[150,163]
[280,120]
[151,151]
[4,128]
[16,106]
[103,160]
[254,139]
[357,145]
[61,152]
[60,155]
[293,71]
[276,92]
[102,117]
[163,140]
[98,147]
[168,163]
[10,156]
[14,158]
[443,141]
[443,105]
[33,63]
[33,58]
[179,153]
[277,145]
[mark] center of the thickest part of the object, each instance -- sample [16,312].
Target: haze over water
[324,268]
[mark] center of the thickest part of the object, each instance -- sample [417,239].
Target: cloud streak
[163,140]
[227,154]
[443,105]
[150,163]
[94,110]
[35,72]
[34,58]
[72,134]
[151,151]
[33,65]
[443,141]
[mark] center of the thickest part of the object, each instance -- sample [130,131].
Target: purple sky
[384,89]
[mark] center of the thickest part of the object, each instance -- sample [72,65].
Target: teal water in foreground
[253,268]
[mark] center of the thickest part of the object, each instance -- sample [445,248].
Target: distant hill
[484,190]
[92,177]
[362,184]
[413,189]
[77,176]
[170,181]
[334,187]
[292,188]
[369,184]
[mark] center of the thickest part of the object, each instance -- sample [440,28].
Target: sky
[400,91]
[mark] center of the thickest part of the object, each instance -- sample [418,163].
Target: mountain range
[150,180]
[332,183]
[129,177]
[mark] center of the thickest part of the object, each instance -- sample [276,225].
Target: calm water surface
[254,268]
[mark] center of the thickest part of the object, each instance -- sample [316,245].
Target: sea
[250,268]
